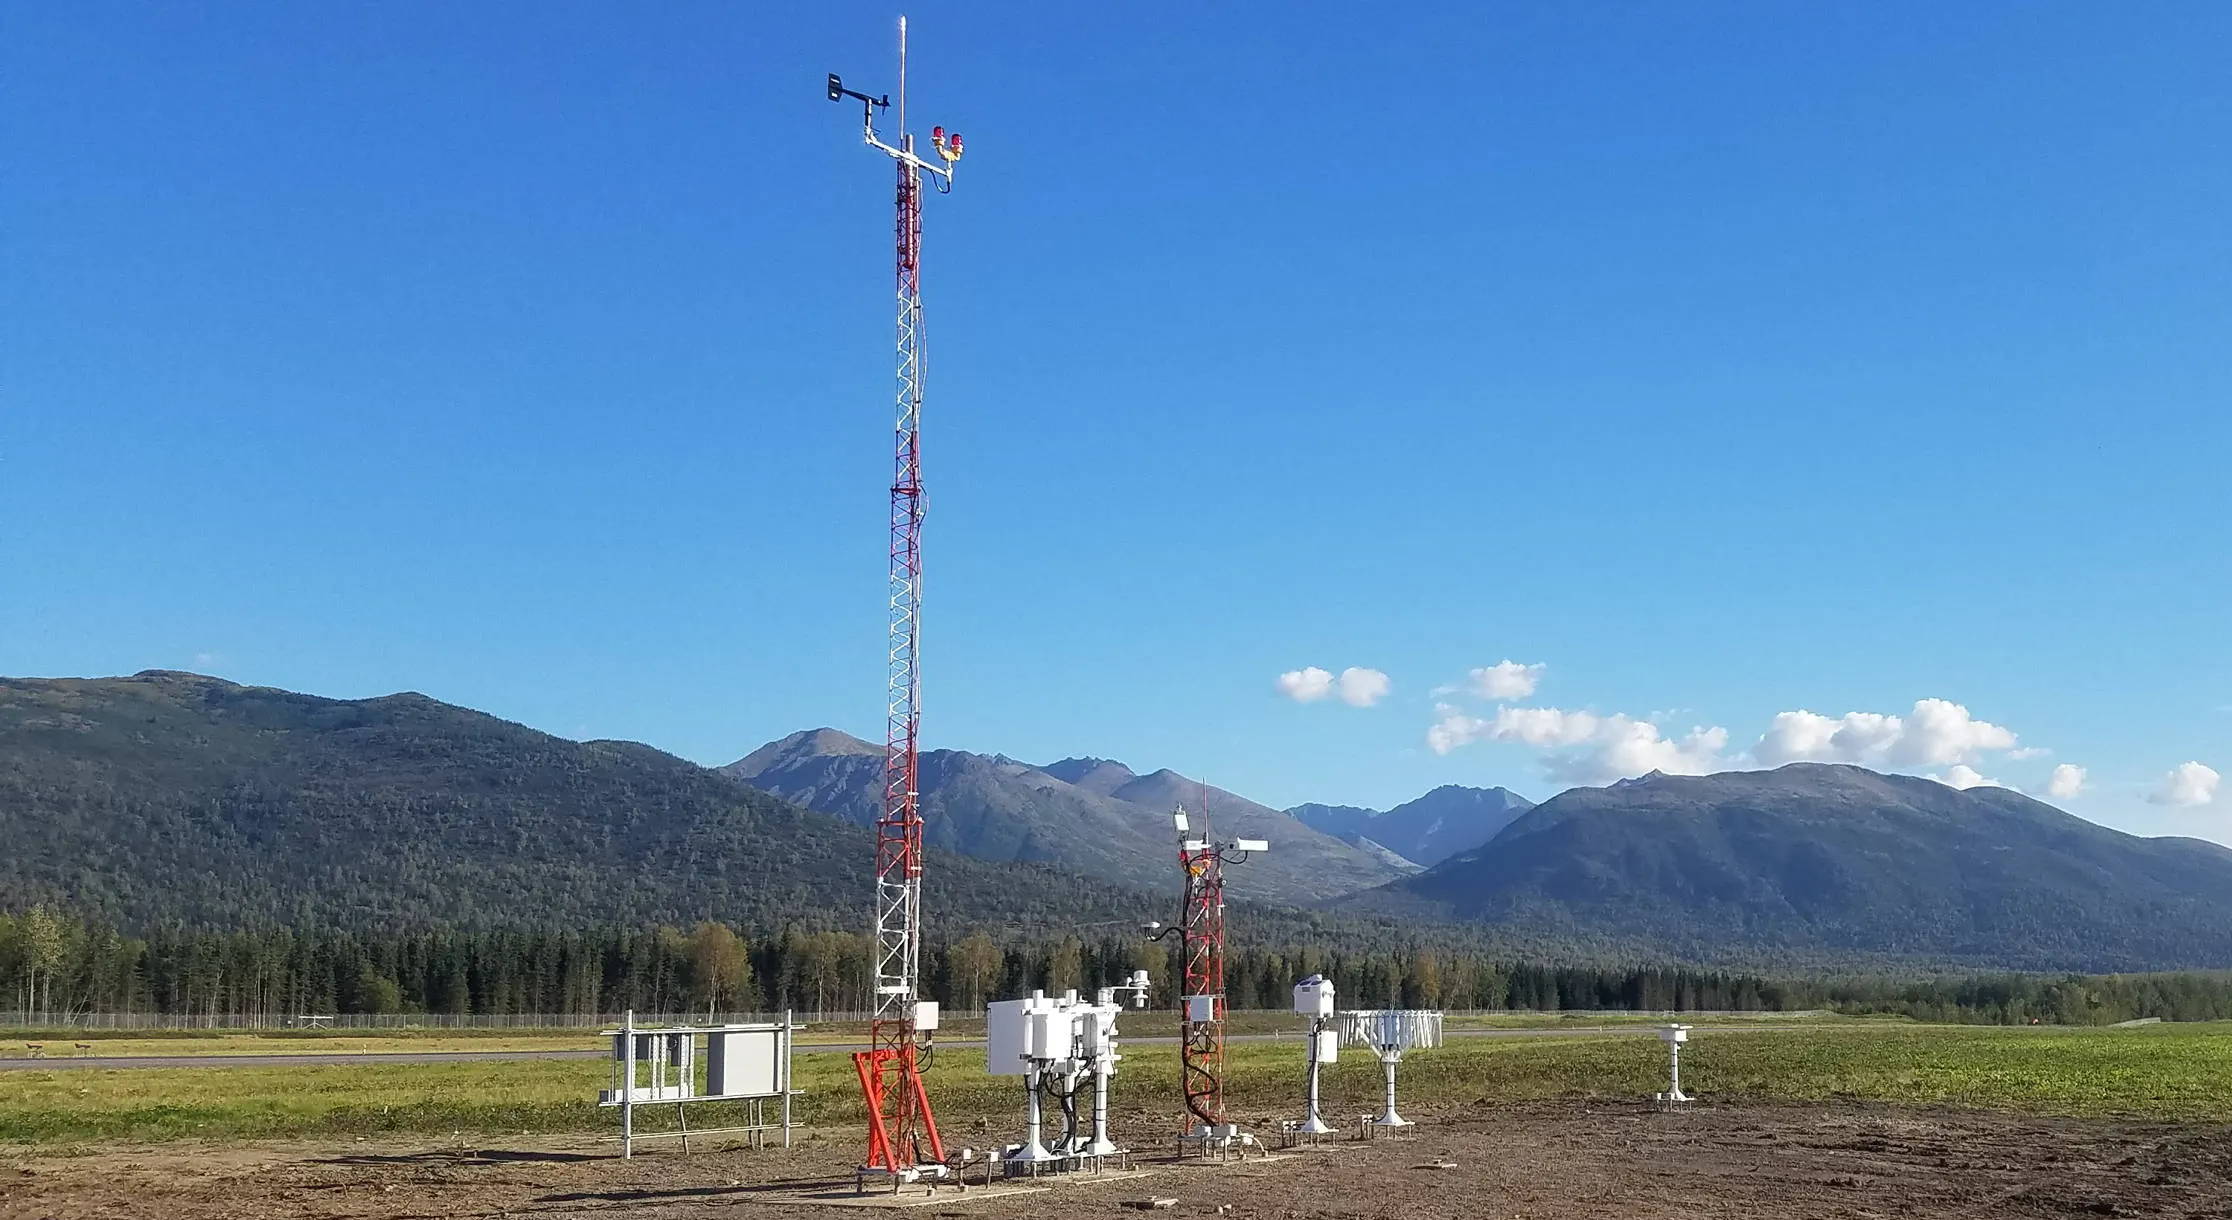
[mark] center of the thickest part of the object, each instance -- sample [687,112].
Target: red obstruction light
[957,141]
[937,135]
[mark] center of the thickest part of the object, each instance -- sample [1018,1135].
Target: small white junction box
[1048,1033]
[1201,1008]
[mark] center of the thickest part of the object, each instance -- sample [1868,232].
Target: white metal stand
[745,1063]
[1033,1150]
[1390,1118]
[1100,1144]
[1674,1098]
[1058,1043]
[1312,1123]
[1389,1033]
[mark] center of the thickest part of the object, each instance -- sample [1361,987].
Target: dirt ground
[1564,1159]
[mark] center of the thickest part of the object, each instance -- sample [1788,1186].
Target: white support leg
[627,1085]
[1313,1124]
[1391,1118]
[1033,1150]
[1101,1145]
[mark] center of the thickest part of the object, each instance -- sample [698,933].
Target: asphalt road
[67,1061]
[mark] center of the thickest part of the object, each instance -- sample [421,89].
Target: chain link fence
[19,1019]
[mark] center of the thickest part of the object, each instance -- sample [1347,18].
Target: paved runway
[56,1062]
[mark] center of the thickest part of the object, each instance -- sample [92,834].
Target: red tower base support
[876,1068]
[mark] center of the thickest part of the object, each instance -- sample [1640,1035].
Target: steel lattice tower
[1202,937]
[902,1131]
[1201,998]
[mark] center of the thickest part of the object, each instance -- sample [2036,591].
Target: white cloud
[1624,746]
[1940,731]
[1935,733]
[1543,727]
[1356,686]
[1583,747]
[1306,685]
[1506,679]
[2188,784]
[1936,737]
[1362,687]
[1965,777]
[2067,781]
[1454,729]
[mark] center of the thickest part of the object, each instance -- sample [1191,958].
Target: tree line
[54,966]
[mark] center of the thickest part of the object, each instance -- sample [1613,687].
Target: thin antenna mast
[902,1133]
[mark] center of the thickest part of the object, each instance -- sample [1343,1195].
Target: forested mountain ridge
[169,798]
[172,796]
[1815,860]
[1110,823]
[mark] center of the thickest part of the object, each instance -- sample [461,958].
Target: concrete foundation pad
[1253,1159]
[906,1196]
[919,1195]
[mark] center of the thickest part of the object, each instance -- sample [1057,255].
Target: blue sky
[1727,361]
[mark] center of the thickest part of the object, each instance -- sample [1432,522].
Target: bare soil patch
[1552,1159]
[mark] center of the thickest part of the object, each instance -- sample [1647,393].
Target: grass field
[2163,1071]
[61,1043]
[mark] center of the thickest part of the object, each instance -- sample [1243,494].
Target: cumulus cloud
[1583,747]
[2067,781]
[1936,733]
[1624,746]
[1361,687]
[1965,777]
[1543,727]
[1306,685]
[1355,686]
[1506,679]
[2188,784]
[1937,738]
[1454,729]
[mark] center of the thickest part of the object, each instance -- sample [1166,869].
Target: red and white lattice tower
[902,1132]
[1201,999]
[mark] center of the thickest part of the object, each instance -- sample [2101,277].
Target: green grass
[13,1034]
[1568,1019]
[2181,1072]
[344,1042]
[62,1043]
[382,1042]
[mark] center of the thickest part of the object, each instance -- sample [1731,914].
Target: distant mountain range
[173,797]
[1088,815]
[1819,862]
[1427,831]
